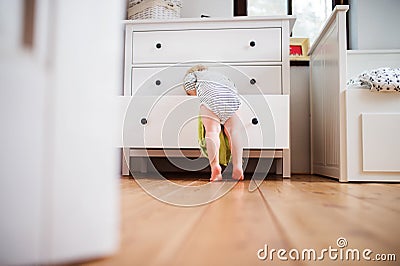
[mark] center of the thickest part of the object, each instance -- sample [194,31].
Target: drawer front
[161,122]
[248,79]
[225,45]
[171,122]
[266,120]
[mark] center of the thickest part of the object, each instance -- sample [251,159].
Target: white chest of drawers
[253,52]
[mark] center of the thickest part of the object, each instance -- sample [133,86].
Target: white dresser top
[209,23]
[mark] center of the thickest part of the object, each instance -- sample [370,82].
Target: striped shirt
[215,91]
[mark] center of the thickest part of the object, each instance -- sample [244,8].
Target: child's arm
[189,83]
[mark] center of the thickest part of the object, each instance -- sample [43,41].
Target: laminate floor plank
[304,212]
[231,231]
[149,228]
[375,218]
[316,214]
[382,195]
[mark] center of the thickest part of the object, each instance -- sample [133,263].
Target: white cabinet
[252,52]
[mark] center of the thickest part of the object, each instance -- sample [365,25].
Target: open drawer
[172,121]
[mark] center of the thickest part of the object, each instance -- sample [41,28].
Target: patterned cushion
[381,79]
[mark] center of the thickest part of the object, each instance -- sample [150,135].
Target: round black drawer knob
[143,121]
[158,45]
[253,81]
[158,82]
[254,121]
[252,43]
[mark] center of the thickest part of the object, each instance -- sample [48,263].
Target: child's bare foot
[237,174]
[216,173]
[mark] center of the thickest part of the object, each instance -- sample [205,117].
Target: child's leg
[234,131]
[213,128]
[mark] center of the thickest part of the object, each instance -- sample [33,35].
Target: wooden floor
[304,212]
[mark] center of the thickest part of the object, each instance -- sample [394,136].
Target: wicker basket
[154,9]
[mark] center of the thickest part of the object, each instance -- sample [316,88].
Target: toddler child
[219,104]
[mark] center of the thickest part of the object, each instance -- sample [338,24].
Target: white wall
[374,24]
[300,119]
[213,8]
